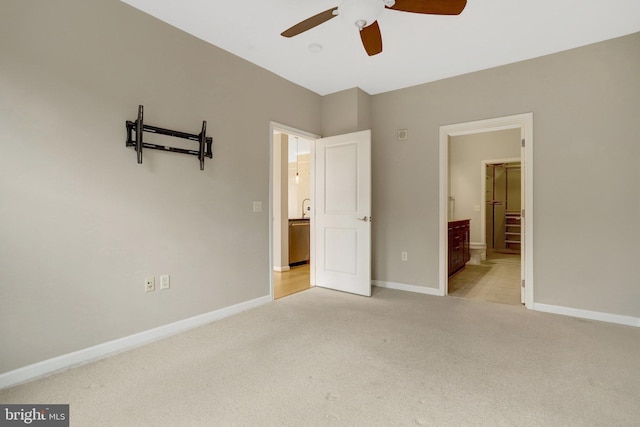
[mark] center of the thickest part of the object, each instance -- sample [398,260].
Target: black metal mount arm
[138,127]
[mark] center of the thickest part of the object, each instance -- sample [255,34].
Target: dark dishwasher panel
[298,242]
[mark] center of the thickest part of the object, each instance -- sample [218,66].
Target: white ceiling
[417,48]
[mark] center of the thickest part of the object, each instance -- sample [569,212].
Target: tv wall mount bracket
[137,128]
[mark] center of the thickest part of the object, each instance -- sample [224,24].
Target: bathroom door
[343,213]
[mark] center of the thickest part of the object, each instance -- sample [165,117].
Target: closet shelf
[513,225]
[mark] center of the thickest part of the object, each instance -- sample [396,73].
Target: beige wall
[346,111]
[364,110]
[81,223]
[586,104]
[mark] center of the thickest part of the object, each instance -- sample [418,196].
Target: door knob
[364,219]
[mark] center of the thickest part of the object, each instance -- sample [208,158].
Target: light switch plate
[164,282]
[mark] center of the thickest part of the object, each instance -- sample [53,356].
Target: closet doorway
[502,207]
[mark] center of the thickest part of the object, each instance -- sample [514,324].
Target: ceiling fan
[364,15]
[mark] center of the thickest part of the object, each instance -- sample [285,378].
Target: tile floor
[497,279]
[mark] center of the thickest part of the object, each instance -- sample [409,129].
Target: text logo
[34,415]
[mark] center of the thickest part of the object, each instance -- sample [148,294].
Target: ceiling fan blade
[309,23]
[372,39]
[433,7]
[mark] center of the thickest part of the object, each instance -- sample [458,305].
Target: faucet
[305,200]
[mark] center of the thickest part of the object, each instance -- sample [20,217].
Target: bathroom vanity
[459,237]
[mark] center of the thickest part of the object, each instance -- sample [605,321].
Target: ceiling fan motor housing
[363,13]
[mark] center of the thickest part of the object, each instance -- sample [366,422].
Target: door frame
[524,122]
[289,130]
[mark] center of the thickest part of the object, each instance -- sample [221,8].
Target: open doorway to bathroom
[490,270]
[291,211]
[485,188]
[493,270]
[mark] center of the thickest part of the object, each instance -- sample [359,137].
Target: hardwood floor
[497,279]
[292,281]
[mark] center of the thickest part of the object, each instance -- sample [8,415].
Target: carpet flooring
[326,358]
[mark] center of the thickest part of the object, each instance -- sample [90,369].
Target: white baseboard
[554,309]
[408,288]
[586,314]
[281,269]
[100,351]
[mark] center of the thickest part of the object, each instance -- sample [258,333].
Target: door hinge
[522,214]
[522,142]
[523,283]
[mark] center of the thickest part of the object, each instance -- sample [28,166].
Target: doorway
[493,270]
[453,197]
[340,224]
[502,207]
[290,207]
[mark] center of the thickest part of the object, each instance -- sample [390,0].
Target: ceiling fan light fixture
[361,13]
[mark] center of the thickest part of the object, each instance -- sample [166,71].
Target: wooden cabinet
[459,252]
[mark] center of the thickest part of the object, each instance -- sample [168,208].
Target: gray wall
[586,104]
[81,223]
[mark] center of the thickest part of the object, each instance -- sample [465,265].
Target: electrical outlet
[164,282]
[149,284]
[404,256]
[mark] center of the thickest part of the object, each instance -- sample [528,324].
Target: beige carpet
[323,358]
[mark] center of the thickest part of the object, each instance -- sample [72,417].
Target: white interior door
[343,213]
